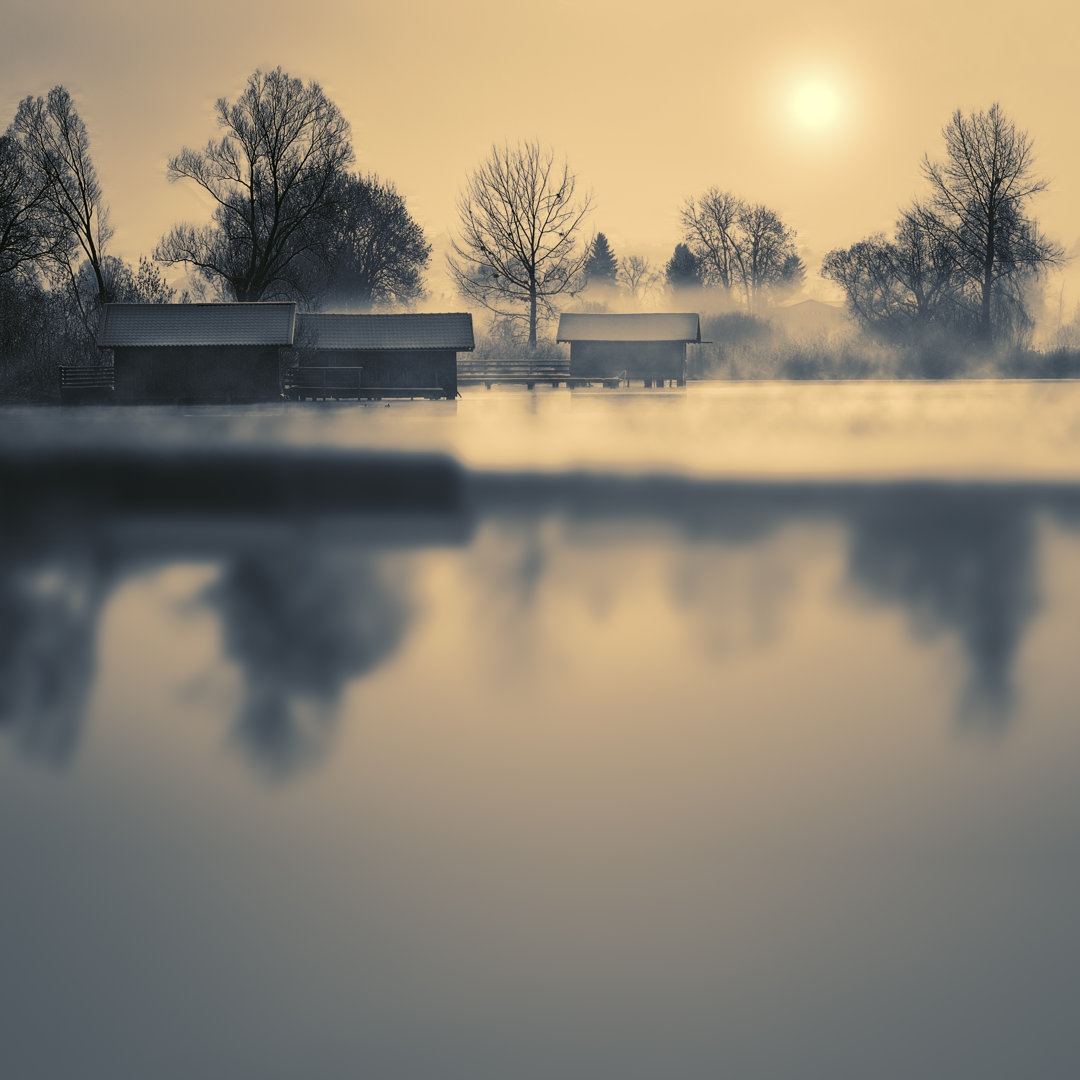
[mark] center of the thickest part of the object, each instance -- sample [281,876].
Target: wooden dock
[311,383]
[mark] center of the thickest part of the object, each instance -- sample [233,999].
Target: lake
[728,732]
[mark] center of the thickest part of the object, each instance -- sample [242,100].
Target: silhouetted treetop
[740,247]
[964,259]
[376,253]
[274,176]
[979,197]
[56,156]
[637,276]
[601,267]
[682,270]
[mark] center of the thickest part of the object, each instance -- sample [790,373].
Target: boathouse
[212,353]
[367,356]
[650,347]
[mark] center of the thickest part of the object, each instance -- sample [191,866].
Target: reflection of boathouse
[196,352]
[651,347]
[363,356]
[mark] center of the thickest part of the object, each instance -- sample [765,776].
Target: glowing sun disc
[816,105]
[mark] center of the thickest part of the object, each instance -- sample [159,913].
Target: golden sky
[650,102]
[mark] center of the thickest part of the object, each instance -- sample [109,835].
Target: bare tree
[769,257]
[739,246]
[142,284]
[638,276]
[865,271]
[56,152]
[980,195]
[899,286]
[273,177]
[925,268]
[710,228]
[519,224]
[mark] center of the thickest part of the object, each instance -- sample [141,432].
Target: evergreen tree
[601,266]
[683,270]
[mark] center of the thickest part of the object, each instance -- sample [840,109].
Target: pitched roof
[649,327]
[440,331]
[196,324]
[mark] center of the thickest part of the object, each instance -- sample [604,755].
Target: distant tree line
[964,261]
[744,249]
[290,219]
[55,270]
[517,248]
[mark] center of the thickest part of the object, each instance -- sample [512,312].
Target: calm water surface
[730,733]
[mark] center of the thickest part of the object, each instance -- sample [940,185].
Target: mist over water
[718,733]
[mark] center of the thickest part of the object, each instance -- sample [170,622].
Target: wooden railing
[528,372]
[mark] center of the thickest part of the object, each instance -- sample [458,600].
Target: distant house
[197,352]
[410,355]
[648,347]
[809,317]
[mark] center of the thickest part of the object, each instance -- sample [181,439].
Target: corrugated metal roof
[452,330]
[637,327]
[196,324]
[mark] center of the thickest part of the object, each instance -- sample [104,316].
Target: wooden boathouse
[240,352]
[205,353]
[375,356]
[650,347]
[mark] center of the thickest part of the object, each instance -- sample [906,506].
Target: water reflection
[301,623]
[736,597]
[51,593]
[616,776]
[305,610]
[957,561]
[300,620]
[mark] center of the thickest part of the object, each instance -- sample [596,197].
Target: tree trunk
[532,318]
[104,292]
[986,331]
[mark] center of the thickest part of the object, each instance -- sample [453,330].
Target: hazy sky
[649,102]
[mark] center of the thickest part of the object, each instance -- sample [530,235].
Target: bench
[87,384]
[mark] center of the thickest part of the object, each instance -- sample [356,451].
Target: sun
[816,105]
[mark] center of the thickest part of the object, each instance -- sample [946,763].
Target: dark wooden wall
[398,368]
[648,360]
[197,374]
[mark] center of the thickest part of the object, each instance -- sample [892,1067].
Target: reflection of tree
[962,561]
[301,624]
[734,596]
[49,607]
